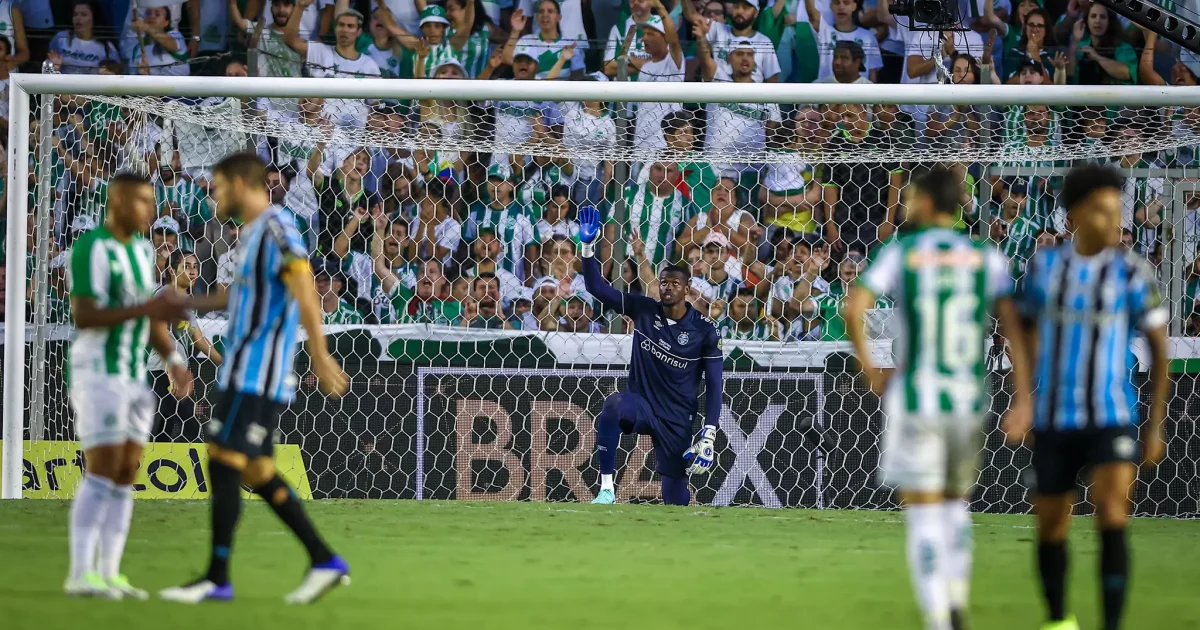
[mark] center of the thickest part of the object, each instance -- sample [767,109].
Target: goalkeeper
[672,344]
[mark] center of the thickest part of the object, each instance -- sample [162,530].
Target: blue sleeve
[283,234]
[714,380]
[624,303]
[713,390]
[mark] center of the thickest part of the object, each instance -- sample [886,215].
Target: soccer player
[116,315]
[1083,303]
[946,287]
[272,295]
[672,344]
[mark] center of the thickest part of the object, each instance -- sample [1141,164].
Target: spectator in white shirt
[843,29]
[342,60]
[315,22]
[160,49]
[736,127]
[723,37]
[639,14]
[664,63]
[571,23]
[78,50]
[547,45]
[847,64]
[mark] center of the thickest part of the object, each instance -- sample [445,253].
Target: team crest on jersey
[683,338]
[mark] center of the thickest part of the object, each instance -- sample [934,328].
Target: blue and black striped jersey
[1087,310]
[262,334]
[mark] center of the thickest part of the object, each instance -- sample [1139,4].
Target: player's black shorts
[672,437]
[1059,456]
[245,423]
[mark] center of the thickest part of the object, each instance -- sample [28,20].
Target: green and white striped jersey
[943,284]
[115,275]
[185,201]
[345,314]
[656,220]
[475,52]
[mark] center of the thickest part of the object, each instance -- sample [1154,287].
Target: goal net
[441,220]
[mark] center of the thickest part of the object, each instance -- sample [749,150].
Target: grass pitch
[533,566]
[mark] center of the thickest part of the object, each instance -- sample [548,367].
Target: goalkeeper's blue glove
[589,230]
[702,453]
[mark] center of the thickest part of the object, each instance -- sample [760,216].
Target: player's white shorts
[110,409]
[938,453]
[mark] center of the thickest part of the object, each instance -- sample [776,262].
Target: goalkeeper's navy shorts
[245,423]
[672,436]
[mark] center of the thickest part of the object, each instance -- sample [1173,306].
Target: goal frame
[24,87]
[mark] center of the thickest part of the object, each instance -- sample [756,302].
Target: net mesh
[445,243]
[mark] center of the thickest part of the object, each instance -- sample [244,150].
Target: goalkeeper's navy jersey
[669,358]
[1087,310]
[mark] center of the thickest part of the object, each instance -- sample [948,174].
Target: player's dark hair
[246,166]
[683,271]
[942,187]
[1082,181]
[129,177]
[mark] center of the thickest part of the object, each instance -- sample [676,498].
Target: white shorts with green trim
[935,453]
[111,409]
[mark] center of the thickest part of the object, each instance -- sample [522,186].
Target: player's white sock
[606,482]
[114,530]
[956,518]
[927,563]
[87,513]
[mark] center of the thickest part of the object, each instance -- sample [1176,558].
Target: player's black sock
[1114,573]
[289,510]
[608,435]
[1052,565]
[675,491]
[226,509]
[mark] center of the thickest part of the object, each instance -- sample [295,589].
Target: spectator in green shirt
[330,286]
[1099,55]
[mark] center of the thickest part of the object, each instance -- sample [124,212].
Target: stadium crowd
[490,240]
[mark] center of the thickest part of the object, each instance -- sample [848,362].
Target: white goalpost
[451,402]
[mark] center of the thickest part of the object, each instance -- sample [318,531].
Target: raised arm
[239,21]
[669,32]
[993,20]
[1147,75]
[708,65]
[593,279]
[564,58]
[462,29]
[291,31]
[814,16]
[517,22]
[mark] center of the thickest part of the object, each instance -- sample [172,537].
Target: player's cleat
[1066,624]
[958,619]
[121,585]
[605,497]
[90,585]
[197,592]
[321,579]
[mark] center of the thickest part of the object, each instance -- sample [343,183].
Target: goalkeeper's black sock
[289,510]
[1114,573]
[608,434]
[1052,566]
[226,509]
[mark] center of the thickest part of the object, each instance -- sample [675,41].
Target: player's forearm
[595,283]
[214,301]
[298,278]
[163,343]
[856,329]
[1160,382]
[1018,352]
[713,385]
[88,316]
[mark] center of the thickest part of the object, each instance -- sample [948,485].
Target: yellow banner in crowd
[53,469]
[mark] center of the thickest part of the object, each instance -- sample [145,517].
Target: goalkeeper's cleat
[321,579]
[958,619]
[198,592]
[605,497]
[121,585]
[1066,624]
[90,585]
